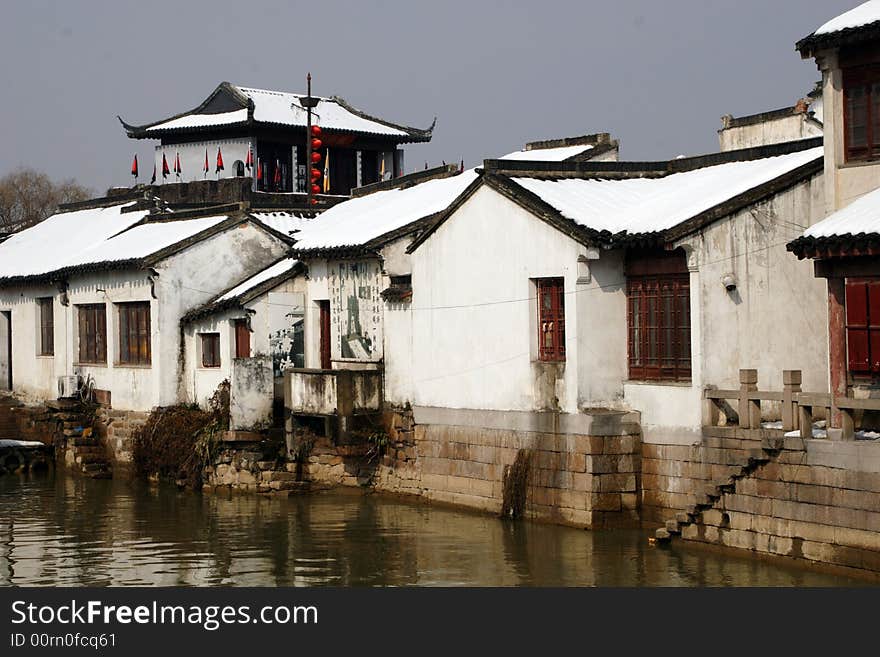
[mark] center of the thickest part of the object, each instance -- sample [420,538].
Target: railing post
[710,409]
[805,420]
[749,410]
[791,385]
[847,424]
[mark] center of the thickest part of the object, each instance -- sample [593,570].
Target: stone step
[79,450]
[89,459]
[673,527]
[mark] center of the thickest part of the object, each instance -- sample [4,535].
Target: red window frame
[863,327]
[551,319]
[242,339]
[92,319]
[210,349]
[134,333]
[659,327]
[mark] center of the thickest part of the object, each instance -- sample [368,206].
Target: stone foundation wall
[817,500]
[116,429]
[587,480]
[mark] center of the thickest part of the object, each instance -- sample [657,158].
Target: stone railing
[332,392]
[797,411]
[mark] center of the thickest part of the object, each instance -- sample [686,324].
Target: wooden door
[325,334]
[242,339]
[6,350]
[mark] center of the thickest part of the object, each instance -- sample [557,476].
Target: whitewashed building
[98,292]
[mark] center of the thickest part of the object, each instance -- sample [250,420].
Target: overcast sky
[657,75]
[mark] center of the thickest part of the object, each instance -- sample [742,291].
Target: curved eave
[836,246]
[413,134]
[65,272]
[141,132]
[810,45]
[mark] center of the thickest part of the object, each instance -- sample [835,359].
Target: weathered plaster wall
[774,131]
[775,319]
[251,393]
[285,302]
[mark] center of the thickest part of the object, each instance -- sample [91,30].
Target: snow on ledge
[864,14]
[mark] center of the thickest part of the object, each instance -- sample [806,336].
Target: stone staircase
[708,499]
[84,450]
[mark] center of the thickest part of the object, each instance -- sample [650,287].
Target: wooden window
[210,349]
[551,319]
[863,326]
[242,339]
[92,320]
[861,100]
[324,307]
[47,326]
[134,333]
[658,318]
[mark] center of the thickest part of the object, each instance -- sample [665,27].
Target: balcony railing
[797,408]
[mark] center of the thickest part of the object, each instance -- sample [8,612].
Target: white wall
[199,383]
[773,131]
[192,160]
[473,305]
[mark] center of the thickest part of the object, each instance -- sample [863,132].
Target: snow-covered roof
[279,268]
[61,240]
[201,120]
[548,154]
[285,108]
[650,205]
[864,14]
[283,221]
[233,105]
[362,219]
[92,236]
[861,217]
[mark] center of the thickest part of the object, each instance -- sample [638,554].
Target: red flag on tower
[207,166]
[134,167]
[277,173]
[260,172]
[177,169]
[165,170]
[153,179]
[249,160]
[219,161]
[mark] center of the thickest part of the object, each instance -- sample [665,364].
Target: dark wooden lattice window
[551,319]
[863,326]
[134,333]
[210,349]
[92,321]
[659,317]
[860,67]
[47,326]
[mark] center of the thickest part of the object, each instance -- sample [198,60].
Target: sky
[656,75]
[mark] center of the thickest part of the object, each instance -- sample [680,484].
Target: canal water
[57,530]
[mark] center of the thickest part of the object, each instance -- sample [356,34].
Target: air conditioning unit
[68,386]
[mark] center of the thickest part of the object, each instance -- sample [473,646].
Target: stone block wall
[116,429]
[817,500]
[673,475]
[577,479]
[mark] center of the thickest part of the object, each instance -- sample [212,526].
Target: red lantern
[316,144]
[315,174]
[316,131]
[316,157]
[316,189]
